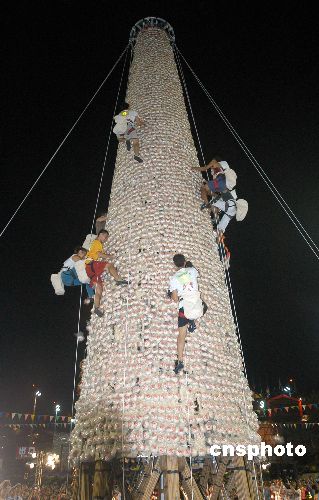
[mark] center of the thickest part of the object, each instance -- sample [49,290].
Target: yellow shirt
[95,248]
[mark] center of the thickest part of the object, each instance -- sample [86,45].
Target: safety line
[61,144]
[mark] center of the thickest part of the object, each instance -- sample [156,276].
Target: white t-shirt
[70,263]
[130,117]
[185,280]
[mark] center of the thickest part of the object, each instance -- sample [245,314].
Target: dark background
[260,63]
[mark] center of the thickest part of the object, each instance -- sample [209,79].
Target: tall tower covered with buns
[131,401]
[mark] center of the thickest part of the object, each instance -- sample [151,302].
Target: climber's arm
[200,169]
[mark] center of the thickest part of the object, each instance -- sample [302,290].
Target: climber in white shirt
[183,289]
[126,123]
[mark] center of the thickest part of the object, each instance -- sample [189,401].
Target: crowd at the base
[25,492]
[304,489]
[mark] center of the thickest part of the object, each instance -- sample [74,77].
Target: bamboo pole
[242,485]
[85,482]
[102,484]
[189,484]
[151,474]
[169,466]
[219,477]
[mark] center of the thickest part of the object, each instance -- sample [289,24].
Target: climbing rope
[125,349]
[188,421]
[282,202]
[74,382]
[62,142]
[179,66]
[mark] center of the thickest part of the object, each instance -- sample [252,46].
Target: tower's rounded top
[151,22]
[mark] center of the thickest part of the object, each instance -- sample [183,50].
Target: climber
[96,264]
[222,178]
[125,129]
[231,207]
[69,274]
[183,289]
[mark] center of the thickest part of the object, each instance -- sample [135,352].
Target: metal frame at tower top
[151,22]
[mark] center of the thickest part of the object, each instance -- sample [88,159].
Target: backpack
[121,124]
[193,305]
[88,241]
[230,175]
[242,209]
[81,272]
[57,284]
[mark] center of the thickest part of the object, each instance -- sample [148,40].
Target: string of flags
[286,409]
[299,425]
[30,418]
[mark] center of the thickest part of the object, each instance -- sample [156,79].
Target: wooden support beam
[219,477]
[190,486]
[85,490]
[231,483]
[242,485]
[102,483]
[251,478]
[207,471]
[151,474]
[75,483]
[169,467]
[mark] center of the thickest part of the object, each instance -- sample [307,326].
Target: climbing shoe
[98,312]
[122,282]
[88,301]
[138,158]
[179,365]
[191,326]
[128,145]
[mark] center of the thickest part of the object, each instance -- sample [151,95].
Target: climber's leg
[97,298]
[89,291]
[229,209]
[136,146]
[114,273]
[182,332]
[136,149]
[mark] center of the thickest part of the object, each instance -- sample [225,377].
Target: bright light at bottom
[52,460]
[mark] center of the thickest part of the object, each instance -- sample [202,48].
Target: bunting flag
[25,417]
[34,426]
[310,406]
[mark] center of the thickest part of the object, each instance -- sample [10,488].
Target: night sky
[259,61]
